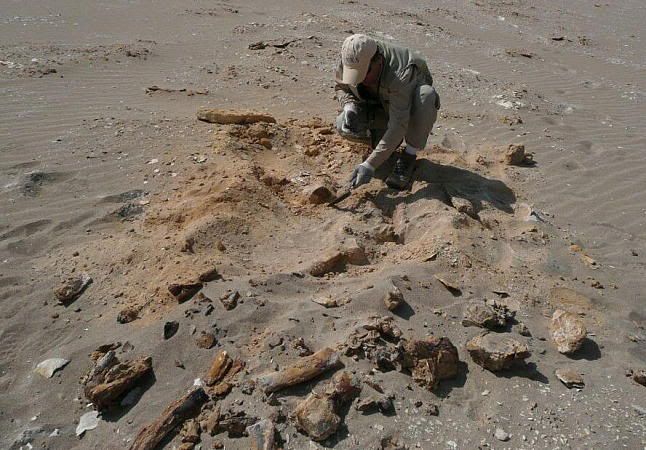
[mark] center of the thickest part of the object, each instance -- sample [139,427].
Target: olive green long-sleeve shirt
[402,72]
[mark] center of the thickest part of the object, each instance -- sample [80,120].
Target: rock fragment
[315,416]
[385,326]
[393,298]
[72,288]
[501,435]
[209,275]
[430,360]
[450,284]
[170,328]
[384,233]
[318,415]
[523,330]
[235,423]
[496,352]
[343,387]
[128,314]
[233,117]
[205,340]
[392,443]
[230,300]
[190,432]
[301,371]
[570,377]
[433,410]
[262,435]
[328,302]
[639,376]
[184,292]
[48,367]
[482,315]
[376,402]
[329,263]
[103,349]
[568,331]
[515,155]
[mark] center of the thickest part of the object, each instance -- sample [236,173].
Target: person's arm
[401,98]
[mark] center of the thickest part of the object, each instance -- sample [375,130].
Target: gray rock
[570,377]
[72,288]
[483,316]
[315,416]
[501,435]
[568,331]
[495,351]
[393,298]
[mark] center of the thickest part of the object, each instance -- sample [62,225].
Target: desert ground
[222,284]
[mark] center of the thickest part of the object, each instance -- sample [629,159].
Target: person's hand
[361,174]
[350,118]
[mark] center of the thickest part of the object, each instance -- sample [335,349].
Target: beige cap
[356,53]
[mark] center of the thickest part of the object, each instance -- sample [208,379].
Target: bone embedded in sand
[219,368]
[318,194]
[107,386]
[568,331]
[184,291]
[224,117]
[173,416]
[303,370]
[335,259]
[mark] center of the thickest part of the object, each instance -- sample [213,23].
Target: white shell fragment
[49,366]
[88,421]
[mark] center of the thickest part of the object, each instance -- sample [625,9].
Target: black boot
[402,173]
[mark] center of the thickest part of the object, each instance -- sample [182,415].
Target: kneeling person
[387,96]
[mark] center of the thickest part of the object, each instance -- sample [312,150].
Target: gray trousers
[373,117]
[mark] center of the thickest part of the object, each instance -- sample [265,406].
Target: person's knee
[428,98]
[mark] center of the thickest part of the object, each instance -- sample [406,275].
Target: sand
[105,170]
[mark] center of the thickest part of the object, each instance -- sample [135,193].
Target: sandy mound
[239,254]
